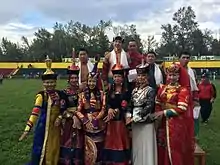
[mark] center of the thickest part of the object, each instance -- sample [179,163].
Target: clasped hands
[111,114]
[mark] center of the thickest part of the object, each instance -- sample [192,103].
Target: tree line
[184,34]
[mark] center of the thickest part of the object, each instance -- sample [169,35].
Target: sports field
[17,98]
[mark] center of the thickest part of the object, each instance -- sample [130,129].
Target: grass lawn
[16,101]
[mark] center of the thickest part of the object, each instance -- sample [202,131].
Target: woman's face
[173,77]
[118,79]
[92,83]
[49,84]
[142,79]
[74,80]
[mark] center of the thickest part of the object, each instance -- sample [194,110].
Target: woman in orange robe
[174,140]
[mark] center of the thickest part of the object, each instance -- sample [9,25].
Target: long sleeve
[149,105]
[64,102]
[35,112]
[158,101]
[163,74]
[106,67]
[80,108]
[214,91]
[103,108]
[182,104]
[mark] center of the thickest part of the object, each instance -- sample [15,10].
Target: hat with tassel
[94,73]
[48,74]
[118,68]
[143,68]
[73,69]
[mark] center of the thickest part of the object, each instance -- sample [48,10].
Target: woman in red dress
[117,144]
[175,142]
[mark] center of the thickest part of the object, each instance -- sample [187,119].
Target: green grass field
[17,98]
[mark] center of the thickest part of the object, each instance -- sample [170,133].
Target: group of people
[130,113]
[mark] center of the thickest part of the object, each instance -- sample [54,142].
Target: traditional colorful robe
[174,141]
[72,139]
[117,142]
[46,145]
[91,108]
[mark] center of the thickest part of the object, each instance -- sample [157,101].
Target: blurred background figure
[207,95]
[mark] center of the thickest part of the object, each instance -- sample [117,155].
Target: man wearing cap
[117,55]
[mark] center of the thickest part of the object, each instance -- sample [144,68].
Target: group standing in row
[108,118]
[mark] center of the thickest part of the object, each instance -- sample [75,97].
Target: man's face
[184,60]
[132,46]
[49,84]
[83,56]
[118,44]
[74,80]
[150,58]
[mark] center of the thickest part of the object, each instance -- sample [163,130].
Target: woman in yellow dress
[47,115]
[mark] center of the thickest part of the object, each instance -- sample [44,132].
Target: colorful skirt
[72,145]
[117,144]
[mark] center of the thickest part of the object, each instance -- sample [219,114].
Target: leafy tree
[215,47]
[184,34]
[11,51]
[150,44]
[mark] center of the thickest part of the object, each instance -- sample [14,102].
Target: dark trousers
[206,109]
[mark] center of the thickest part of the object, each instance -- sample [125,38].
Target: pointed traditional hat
[94,73]
[73,69]
[143,68]
[49,74]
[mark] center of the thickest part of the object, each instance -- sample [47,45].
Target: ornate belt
[168,105]
[69,112]
[72,109]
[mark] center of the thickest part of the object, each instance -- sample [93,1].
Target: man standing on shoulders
[117,55]
[156,74]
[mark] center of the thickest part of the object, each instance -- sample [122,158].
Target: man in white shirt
[117,55]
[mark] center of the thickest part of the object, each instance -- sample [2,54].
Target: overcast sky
[23,17]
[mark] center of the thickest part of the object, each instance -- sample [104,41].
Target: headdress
[184,78]
[143,68]
[174,68]
[73,69]
[118,69]
[118,38]
[48,74]
[94,73]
